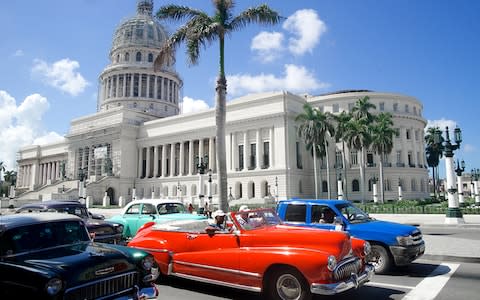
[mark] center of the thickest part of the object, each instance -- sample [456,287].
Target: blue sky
[52,52]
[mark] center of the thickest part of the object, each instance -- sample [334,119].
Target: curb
[472,260]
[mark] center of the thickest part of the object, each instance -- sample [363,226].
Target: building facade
[138,144]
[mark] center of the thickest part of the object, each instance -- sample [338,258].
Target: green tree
[434,151]
[2,167]
[341,122]
[326,131]
[199,31]
[10,177]
[382,143]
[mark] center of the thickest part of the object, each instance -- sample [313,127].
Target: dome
[141,30]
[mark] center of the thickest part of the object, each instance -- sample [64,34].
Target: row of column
[140,85]
[263,155]
[175,159]
[47,172]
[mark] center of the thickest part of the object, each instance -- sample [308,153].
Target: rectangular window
[159,87]
[336,108]
[338,159]
[407,134]
[406,108]
[410,159]
[350,106]
[299,155]
[353,157]
[381,106]
[151,88]
[120,85]
[370,162]
[144,85]
[416,135]
[399,156]
[114,86]
[253,156]
[128,84]
[296,213]
[266,154]
[240,157]
[395,106]
[135,85]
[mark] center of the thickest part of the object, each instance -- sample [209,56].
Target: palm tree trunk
[344,171]
[434,185]
[382,194]
[315,178]
[328,170]
[362,175]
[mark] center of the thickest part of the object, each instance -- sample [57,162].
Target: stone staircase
[60,190]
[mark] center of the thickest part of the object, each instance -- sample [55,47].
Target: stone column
[375,194]
[270,146]
[258,154]
[140,162]
[245,150]
[155,88]
[164,160]
[172,159]
[200,149]
[477,196]
[234,152]
[147,168]
[340,189]
[182,159]
[190,157]
[155,161]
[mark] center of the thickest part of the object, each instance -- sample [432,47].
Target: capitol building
[139,145]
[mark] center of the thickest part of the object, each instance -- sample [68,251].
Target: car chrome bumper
[404,255]
[144,293]
[355,281]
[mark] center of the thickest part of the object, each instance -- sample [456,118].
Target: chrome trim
[237,272]
[355,281]
[217,282]
[129,279]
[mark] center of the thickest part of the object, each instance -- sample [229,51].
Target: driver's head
[219,216]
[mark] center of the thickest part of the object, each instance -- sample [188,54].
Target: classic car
[393,244]
[51,256]
[259,255]
[101,230]
[139,212]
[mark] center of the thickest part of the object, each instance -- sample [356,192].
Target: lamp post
[374,189]
[339,187]
[276,189]
[134,192]
[209,192]
[475,173]
[202,164]
[179,191]
[459,170]
[81,185]
[454,214]
[230,196]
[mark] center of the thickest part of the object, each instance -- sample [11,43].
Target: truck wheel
[287,284]
[380,259]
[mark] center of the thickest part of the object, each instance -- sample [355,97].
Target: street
[424,279]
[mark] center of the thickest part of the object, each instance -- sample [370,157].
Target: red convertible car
[259,254]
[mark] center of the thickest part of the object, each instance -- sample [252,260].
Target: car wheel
[287,284]
[380,259]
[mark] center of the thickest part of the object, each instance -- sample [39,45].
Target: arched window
[355,186]
[324,186]
[118,58]
[251,190]
[370,184]
[127,56]
[150,57]
[264,189]
[238,190]
[138,56]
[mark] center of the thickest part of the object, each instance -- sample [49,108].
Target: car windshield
[43,235]
[353,213]
[255,219]
[171,208]
[73,210]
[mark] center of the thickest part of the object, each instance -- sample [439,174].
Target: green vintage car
[51,256]
[139,212]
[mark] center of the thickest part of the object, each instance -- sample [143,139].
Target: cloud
[49,138]
[295,79]
[18,53]
[191,105]
[21,125]
[268,45]
[442,124]
[307,28]
[61,74]
[468,148]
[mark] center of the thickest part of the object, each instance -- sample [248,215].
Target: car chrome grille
[346,267]
[417,237]
[103,288]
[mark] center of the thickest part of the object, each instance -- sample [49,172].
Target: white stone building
[138,145]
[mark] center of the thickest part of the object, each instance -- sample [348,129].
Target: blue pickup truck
[393,244]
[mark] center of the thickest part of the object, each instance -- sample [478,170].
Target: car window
[171,208]
[322,214]
[296,213]
[133,210]
[148,209]
[353,213]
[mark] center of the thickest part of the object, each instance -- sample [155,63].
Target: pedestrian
[190,208]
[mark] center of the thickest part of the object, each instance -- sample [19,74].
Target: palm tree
[326,130]
[199,31]
[382,142]
[434,151]
[10,177]
[341,121]
[358,135]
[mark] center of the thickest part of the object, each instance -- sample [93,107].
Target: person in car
[218,224]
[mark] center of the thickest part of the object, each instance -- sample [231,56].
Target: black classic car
[101,231]
[51,256]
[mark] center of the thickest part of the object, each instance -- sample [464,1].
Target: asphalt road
[424,279]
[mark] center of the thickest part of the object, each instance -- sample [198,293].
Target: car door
[130,218]
[147,214]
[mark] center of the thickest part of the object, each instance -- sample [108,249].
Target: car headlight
[405,240]
[148,262]
[331,262]
[367,248]
[119,228]
[53,286]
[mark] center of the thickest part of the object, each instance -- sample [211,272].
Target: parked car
[51,256]
[393,244]
[101,230]
[284,262]
[139,212]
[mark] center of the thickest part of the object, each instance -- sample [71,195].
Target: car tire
[380,258]
[287,284]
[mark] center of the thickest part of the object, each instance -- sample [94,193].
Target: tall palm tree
[10,176]
[382,142]
[308,130]
[358,134]
[199,31]
[434,151]
[326,131]
[341,121]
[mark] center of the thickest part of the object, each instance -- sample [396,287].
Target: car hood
[80,262]
[361,230]
[336,243]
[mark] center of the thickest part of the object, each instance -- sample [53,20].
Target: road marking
[429,287]
[389,285]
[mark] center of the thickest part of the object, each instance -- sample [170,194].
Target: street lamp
[179,191]
[454,214]
[202,164]
[475,174]
[459,170]
[230,196]
[209,192]
[276,189]
[81,185]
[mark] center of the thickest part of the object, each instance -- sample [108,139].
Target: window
[300,187]
[150,57]
[317,213]
[324,186]
[296,213]
[150,32]
[335,108]
[133,210]
[139,32]
[159,87]
[120,85]
[240,157]
[397,132]
[399,156]
[151,88]
[353,157]
[370,162]
[253,156]
[299,156]
[128,84]
[266,154]
[127,56]
[381,106]
[144,86]
[415,110]
[410,159]
[138,57]
[355,186]
[407,108]
[338,159]
[135,84]
[148,209]
[395,106]
[407,134]
[350,106]
[416,135]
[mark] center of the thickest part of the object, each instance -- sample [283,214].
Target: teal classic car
[139,212]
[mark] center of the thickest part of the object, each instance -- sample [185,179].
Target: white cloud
[61,74]
[50,137]
[441,124]
[268,45]
[295,79]
[307,28]
[19,52]
[21,125]
[191,105]
[468,148]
